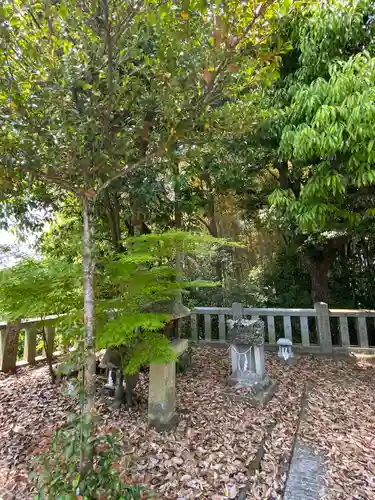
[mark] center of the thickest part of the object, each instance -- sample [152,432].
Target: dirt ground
[218,447]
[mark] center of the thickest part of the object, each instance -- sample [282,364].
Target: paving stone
[306,475]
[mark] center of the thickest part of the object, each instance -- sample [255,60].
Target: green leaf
[76,481]
[64,11]
[69,451]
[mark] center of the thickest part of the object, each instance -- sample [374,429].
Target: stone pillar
[238,354]
[260,368]
[9,347]
[29,350]
[50,337]
[162,391]
[237,310]
[324,328]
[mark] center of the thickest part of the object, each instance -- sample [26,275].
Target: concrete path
[305,480]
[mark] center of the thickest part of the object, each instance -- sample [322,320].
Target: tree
[128,286]
[91,92]
[323,161]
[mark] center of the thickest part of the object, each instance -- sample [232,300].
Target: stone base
[108,391]
[259,398]
[289,361]
[160,425]
[251,381]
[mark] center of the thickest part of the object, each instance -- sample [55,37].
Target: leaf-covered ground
[218,446]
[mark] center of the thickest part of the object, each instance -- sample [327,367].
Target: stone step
[306,475]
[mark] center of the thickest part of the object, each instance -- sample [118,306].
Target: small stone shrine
[248,380]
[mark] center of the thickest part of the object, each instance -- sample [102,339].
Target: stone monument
[248,380]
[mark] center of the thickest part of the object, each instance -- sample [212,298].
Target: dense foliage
[128,286]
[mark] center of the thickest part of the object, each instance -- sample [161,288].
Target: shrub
[59,476]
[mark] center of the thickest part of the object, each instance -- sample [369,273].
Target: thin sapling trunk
[89,309]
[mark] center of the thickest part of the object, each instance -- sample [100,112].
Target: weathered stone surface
[285,352]
[109,358]
[50,337]
[248,375]
[162,395]
[244,331]
[9,346]
[29,351]
[259,398]
[162,391]
[306,476]
[248,366]
[323,327]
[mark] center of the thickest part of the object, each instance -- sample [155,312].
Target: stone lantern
[285,352]
[176,311]
[248,379]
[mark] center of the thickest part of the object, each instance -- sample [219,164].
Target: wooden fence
[318,330]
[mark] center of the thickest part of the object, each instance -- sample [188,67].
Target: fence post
[237,310]
[29,350]
[9,347]
[162,391]
[323,327]
[194,327]
[50,337]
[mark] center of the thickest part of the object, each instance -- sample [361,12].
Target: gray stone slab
[306,475]
[260,398]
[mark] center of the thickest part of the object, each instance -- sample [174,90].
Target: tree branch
[202,221]
[121,173]
[273,174]
[257,14]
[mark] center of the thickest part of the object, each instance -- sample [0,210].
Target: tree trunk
[283,175]
[113,218]
[177,199]
[89,309]
[48,352]
[318,270]
[130,383]
[213,229]
[179,253]
[119,392]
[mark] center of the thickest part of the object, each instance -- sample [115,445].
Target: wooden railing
[316,330]
[10,336]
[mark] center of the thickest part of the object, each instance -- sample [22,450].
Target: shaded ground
[218,444]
